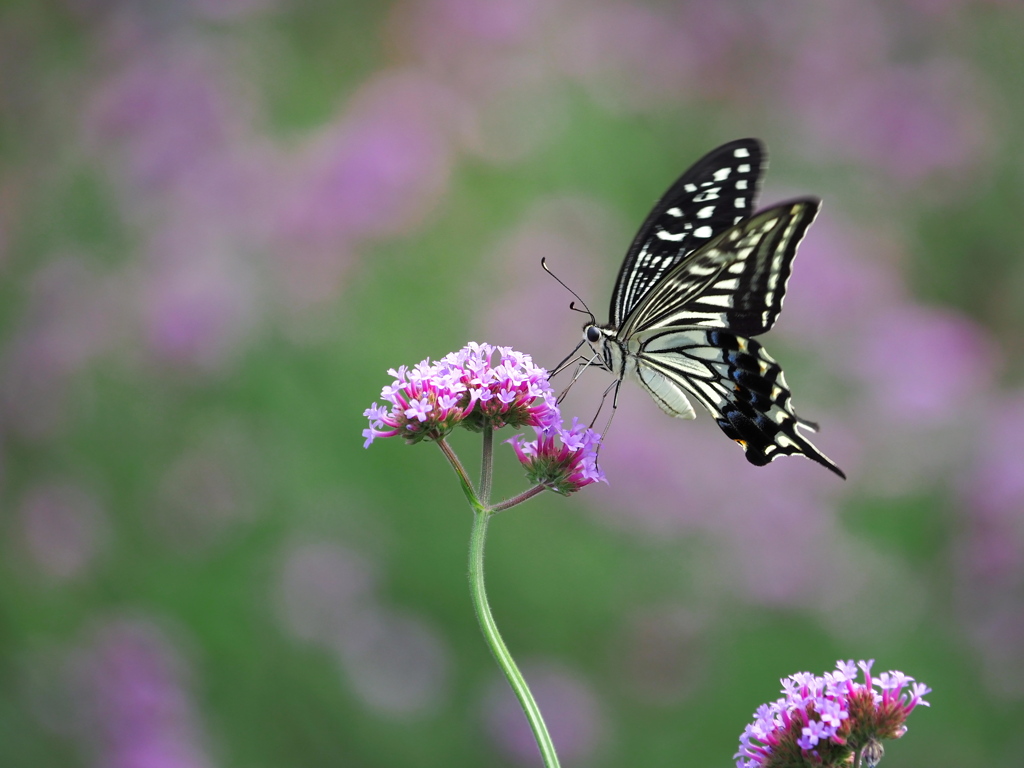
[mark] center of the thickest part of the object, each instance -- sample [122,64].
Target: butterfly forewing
[737,281]
[717,192]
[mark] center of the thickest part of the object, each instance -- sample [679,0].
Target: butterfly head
[600,339]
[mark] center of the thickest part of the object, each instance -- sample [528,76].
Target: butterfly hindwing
[736,281]
[736,380]
[718,191]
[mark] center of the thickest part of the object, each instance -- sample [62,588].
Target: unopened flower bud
[872,753]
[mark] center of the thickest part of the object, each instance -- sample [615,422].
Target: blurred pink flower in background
[908,123]
[632,57]
[776,525]
[210,489]
[662,655]
[123,693]
[820,50]
[841,69]
[946,11]
[572,713]
[470,44]
[780,537]
[496,56]
[679,468]
[842,276]
[719,38]
[922,366]
[233,10]
[179,133]
[70,317]
[197,296]
[378,169]
[997,632]
[164,115]
[394,660]
[319,586]
[174,130]
[767,536]
[990,556]
[63,529]
[994,487]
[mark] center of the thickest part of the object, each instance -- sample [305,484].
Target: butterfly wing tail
[810,426]
[741,385]
[762,443]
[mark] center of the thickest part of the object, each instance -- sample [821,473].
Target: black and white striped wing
[736,380]
[737,281]
[718,191]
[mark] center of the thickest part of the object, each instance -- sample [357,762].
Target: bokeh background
[222,221]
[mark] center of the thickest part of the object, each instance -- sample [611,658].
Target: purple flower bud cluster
[823,721]
[463,388]
[566,466]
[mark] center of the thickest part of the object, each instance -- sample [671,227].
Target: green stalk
[481,516]
[467,484]
[487,465]
[497,645]
[527,494]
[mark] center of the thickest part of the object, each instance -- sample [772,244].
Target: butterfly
[703,276]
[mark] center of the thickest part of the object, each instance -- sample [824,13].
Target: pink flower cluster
[465,388]
[430,400]
[823,721]
[563,468]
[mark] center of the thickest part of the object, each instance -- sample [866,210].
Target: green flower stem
[527,494]
[467,484]
[487,464]
[497,645]
[481,516]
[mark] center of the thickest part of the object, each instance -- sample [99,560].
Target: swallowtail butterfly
[703,276]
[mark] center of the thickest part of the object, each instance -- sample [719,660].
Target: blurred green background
[222,221]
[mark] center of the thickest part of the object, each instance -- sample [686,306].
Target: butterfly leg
[615,404]
[582,363]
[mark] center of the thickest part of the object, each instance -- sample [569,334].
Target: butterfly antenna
[544,266]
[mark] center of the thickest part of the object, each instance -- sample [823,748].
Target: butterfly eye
[593,334]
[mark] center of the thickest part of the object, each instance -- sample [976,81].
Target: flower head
[564,467]
[823,721]
[463,388]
